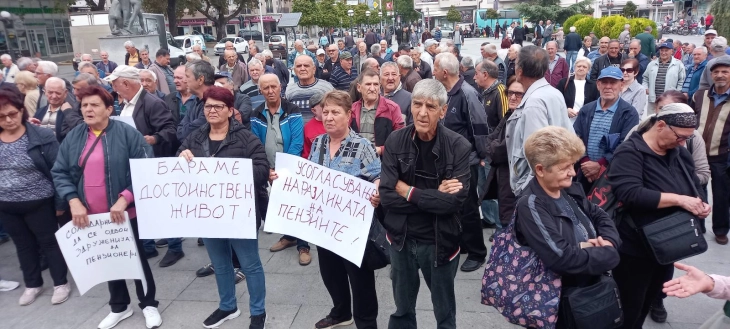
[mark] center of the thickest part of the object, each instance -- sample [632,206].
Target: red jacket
[388,119]
[559,72]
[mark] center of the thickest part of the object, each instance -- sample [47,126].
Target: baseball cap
[718,44]
[316,99]
[429,43]
[221,75]
[668,45]
[720,61]
[123,71]
[320,51]
[711,32]
[345,55]
[611,72]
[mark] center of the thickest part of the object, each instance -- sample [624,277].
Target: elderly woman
[92,174]
[576,89]
[344,150]
[632,91]
[144,59]
[28,206]
[224,137]
[28,85]
[648,178]
[556,220]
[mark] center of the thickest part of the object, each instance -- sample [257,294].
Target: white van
[188,41]
[177,55]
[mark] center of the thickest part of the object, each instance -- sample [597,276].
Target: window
[230,29]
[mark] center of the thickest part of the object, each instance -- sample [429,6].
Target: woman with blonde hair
[28,85]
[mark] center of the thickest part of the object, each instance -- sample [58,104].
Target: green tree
[538,10]
[405,9]
[173,10]
[453,15]
[493,14]
[630,10]
[571,20]
[721,11]
[309,10]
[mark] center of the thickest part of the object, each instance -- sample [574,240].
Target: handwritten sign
[127,120]
[206,197]
[102,252]
[326,207]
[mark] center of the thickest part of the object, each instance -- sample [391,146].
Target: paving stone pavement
[296,296]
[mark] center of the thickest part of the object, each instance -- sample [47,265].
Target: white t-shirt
[580,88]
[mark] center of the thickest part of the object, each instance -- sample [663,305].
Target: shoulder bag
[676,236]
[377,248]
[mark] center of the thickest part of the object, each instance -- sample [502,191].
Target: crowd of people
[454,144]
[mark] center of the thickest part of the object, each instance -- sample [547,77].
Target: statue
[123,14]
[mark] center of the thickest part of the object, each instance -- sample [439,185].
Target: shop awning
[289,20]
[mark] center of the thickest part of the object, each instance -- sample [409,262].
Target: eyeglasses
[211,107]
[12,116]
[517,94]
[681,138]
[627,70]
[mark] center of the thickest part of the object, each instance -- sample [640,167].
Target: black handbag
[377,248]
[676,236]
[597,306]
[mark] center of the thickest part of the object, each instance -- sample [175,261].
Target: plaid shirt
[599,127]
[356,156]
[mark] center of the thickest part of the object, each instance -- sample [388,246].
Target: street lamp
[6,18]
[367,14]
[351,13]
[380,18]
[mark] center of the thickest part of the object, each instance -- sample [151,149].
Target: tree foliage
[453,15]
[572,19]
[605,26]
[218,11]
[721,11]
[585,25]
[630,9]
[537,10]
[493,14]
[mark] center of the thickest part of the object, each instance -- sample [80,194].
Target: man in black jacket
[423,210]
[572,46]
[613,57]
[518,34]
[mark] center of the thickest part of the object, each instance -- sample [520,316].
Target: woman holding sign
[224,137]
[343,150]
[28,207]
[92,174]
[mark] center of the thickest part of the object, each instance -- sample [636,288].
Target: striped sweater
[299,95]
[714,126]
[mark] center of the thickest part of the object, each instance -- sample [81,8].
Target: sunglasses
[627,70]
[517,94]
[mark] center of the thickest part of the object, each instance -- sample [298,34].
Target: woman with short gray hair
[577,89]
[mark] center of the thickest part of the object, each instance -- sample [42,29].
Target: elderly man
[512,53]
[237,69]
[253,49]
[106,65]
[718,47]
[90,68]
[466,67]
[198,49]
[299,50]
[542,105]
[181,101]
[51,116]
[547,33]
[9,69]
[635,52]
[624,38]
[709,36]
[420,203]
[610,116]
[489,52]
[371,64]
[199,76]
[131,58]
[148,79]
[694,72]
[229,46]
[664,73]
[375,54]
[602,49]
[558,67]
[251,87]
[26,64]
[430,48]
[349,40]
[712,107]
[300,92]
[572,46]
[687,58]
[422,68]
[648,44]
[393,88]
[144,59]
[331,62]
[375,117]
[278,67]
[614,57]
[344,73]
[44,71]
[242,102]
[409,76]
[73,117]
[467,118]
[385,52]
[161,67]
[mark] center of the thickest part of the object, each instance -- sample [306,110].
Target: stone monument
[125,17]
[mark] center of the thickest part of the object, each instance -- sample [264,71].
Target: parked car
[188,41]
[249,34]
[278,45]
[240,44]
[207,37]
[446,32]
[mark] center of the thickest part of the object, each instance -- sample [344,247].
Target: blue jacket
[42,150]
[625,119]
[437,35]
[290,123]
[694,84]
[59,120]
[293,55]
[120,143]
[643,63]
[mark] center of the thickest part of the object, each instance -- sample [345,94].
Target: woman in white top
[632,91]
[576,89]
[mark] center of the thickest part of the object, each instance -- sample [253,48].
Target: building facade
[34,28]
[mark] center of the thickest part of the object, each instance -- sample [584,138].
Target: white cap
[123,71]
[320,51]
[711,32]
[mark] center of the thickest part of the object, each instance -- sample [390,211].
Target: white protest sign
[102,252]
[206,197]
[127,120]
[326,207]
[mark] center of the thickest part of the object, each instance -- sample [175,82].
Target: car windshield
[275,38]
[224,40]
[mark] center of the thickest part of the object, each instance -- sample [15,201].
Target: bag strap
[321,152]
[577,211]
[689,178]
[91,149]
